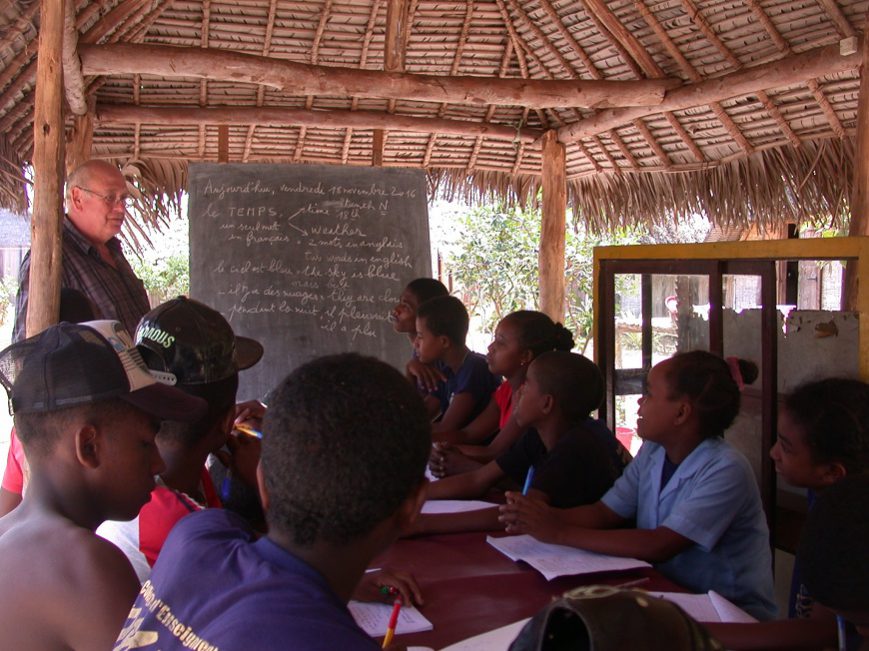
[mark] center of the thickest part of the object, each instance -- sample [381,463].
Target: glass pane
[626,422]
[741,325]
[680,314]
[629,320]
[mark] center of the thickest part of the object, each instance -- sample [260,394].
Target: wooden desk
[470,587]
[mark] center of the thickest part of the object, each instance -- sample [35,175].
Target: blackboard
[308,259]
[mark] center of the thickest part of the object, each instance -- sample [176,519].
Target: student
[86,411]
[694,498]
[572,463]
[403,318]
[338,488]
[196,346]
[441,329]
[835,557]
[75,307]
[519,338]
[823,436]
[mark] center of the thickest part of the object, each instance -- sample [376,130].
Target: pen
[247,429]
[393,621]
[843,635]
[528,479]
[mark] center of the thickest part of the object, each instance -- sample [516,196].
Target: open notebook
[373,618]
[557,560]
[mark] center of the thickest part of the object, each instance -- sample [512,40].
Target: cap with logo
[75,364]
[193,342]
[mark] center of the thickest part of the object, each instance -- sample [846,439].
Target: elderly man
[92,261]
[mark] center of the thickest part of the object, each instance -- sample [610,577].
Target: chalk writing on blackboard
[308,258]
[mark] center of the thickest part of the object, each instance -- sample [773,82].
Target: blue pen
[843,635]
[528,479]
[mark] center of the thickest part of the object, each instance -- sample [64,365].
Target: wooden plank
[48,172]
[553,228]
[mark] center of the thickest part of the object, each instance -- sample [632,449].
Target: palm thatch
[779,151]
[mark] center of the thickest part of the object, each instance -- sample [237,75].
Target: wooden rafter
[783,72]
[204,42]
[839,19]
[18,120]
[343,82]
[785,48]
[354,103]
[315,57]
[261,90]
[129,114]
[520,56]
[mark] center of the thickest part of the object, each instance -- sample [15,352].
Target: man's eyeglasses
[110,199]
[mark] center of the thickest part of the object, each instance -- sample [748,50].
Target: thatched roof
[756,125]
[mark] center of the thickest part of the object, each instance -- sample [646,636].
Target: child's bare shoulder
[49,565]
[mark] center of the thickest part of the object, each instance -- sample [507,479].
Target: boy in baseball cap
[86,411]
[193,347]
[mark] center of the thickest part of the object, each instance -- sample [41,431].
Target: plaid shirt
[114,293]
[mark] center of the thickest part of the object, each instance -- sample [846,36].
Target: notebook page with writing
[710,607]
[557,560]
[373,618]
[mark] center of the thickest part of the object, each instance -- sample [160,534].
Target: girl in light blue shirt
[695,500]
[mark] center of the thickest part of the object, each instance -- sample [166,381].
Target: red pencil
[393,622]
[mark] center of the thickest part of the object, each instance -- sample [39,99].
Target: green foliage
[495,264]
[165,277]
[8,291]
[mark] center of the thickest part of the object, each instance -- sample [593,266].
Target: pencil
[247,429]
[528,479]
[393,622]
[842,633]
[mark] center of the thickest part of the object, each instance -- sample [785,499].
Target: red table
[470,587]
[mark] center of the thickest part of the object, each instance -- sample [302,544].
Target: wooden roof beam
[129,114]
[787,71]
[305,79]
[261,90]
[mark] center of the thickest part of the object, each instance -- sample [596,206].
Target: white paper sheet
[497,640]
[455,506]
[557,560]
[710,607]
[373,618]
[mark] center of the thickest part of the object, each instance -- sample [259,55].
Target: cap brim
[167,403]
[247,352]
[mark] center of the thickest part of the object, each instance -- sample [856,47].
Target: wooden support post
[223,143]
[48,172]
[860,183]
[377,147]
[552,232]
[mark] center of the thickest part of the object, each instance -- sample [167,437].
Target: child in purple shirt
[337,489]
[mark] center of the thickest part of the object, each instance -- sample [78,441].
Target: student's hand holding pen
[250,412]
[241,456]
[386,584]
[522,514]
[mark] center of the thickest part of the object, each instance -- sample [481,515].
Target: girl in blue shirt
[693,497]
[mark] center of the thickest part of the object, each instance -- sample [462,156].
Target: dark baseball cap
[193,342]
[69,364]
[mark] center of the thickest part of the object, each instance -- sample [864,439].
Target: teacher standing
[92,260]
